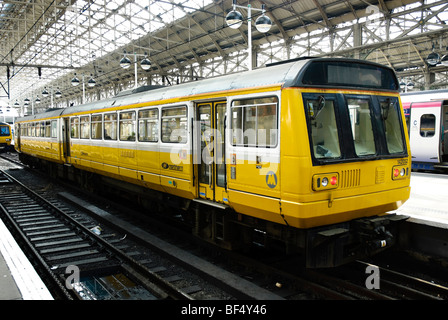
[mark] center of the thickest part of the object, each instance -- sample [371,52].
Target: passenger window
[54,128]
[110,126]
[41,131]
[361,124]
[254,122]
[97,126]
[85,128]
[324,130]
[427,125]
[390,113]
[174,125]
[148,124]
[74,127]
[47,129]
[127,126]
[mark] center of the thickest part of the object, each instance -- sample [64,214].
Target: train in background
[5,136]
[426,115]
[310,155]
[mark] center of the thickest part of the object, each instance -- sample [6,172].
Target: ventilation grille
[350,178]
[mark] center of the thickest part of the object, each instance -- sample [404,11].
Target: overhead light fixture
[410,85]
[37,100]
[91,83]
[433,59]
[75,81]
[58,93]
[402,84]
[263,23]
[125,62]
[234,19]
[145,63]
[27,101]
[16,104]
[444,60]
[45,93]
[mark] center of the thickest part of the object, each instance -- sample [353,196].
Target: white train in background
[426,115]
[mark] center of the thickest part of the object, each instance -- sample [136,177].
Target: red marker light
[333,181]
[396,172]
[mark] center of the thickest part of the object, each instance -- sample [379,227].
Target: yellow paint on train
[298,176]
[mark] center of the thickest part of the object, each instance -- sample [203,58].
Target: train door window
[254,122]
[361,124]
[74,127]
[47,129]
[96,126]
[54,128]
[85,127]
[427,125]
[174,125]
[127,126]
[148,123]
[390,114]
[323,126]
[110,126]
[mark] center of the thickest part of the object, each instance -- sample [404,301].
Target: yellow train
[5,136]
[311,154]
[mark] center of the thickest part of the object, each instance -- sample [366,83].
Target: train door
[425,131]
[210,161]
[444,142]
[17,135]
[66,139]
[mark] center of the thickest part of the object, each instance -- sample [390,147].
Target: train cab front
[359,171]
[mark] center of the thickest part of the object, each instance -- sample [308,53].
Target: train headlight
[325,181]
[400,172]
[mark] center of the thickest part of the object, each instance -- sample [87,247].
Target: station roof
[43,43]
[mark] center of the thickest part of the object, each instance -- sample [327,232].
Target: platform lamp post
[145,64]
[234,20]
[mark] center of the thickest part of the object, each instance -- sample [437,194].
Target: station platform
[428,202]
[18,278]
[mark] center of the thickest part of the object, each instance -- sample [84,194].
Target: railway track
[62,246]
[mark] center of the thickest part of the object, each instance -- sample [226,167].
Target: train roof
[288,74]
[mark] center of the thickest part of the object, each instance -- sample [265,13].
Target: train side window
[254,122]
[127,126]
[174,124]
[85,127]
[54,128]
[110,126]
[362,129]
[96,126]
[47,129]
[74,127]
[324,130]
[427,125]
[148,124]
[32,129]
[39,129]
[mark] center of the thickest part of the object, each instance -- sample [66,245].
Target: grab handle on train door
[210,173]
